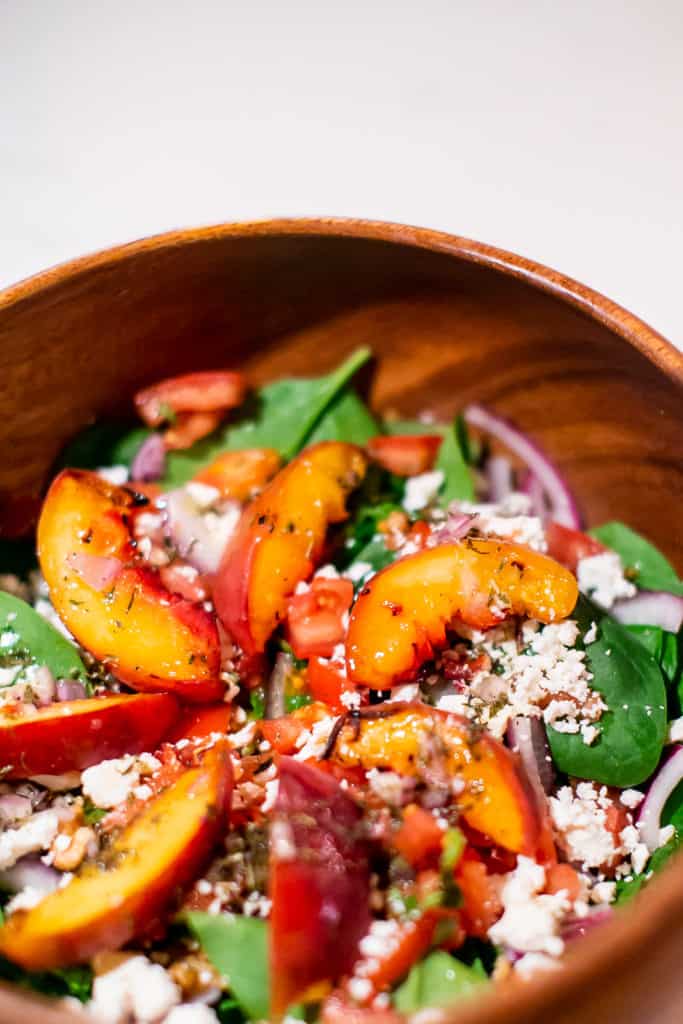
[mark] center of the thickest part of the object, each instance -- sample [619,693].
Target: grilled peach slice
[115,606]
[144,870]
[241,474]
[74,734]
[494,800]
[280,538]
[401,614]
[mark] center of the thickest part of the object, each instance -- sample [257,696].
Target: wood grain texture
[450,321]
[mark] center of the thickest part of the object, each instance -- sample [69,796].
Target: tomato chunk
[569,546]
[405,454]
[206,391]
[315,619]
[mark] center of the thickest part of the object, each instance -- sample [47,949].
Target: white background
[551,128]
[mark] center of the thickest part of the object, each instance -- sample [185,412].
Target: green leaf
[628,888]
[458,482]
[438,980]
[633,730]
[347,418]
[32,639]
[238,948]
[91,813]
[652,570]
[283,415]
[105,443]
[402,427]
[65,981]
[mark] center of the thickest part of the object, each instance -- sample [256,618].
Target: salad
[310,715]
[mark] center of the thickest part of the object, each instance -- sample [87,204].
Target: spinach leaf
[652,570]
[402,427]
[347,418]
[283,415]
[64,981]
[438,980]
[105,443]
[633,730]
[238,948]
[458,481]
[628,888]
[27,637]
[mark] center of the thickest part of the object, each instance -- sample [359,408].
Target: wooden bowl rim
[590,302]
[617,946]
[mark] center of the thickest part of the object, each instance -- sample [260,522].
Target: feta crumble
[601,577]
[509,519]
[422,490]
[36,834]
[137,990]
[531,919]
[111,782]
[580,820]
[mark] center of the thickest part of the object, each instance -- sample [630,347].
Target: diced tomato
[315,618]
[413,941]
[563,877]
[198,723]
[569,546]
[190,427]
[419,838]
[241,474]
[481,902]
[327,682]
[206,391]
[282,733]
[418,534]
[339,1009]
[405,454]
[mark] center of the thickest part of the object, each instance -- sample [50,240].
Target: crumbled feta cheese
[326,572]
[244,737]
[191,1013]
[117,475]
[407,693]
[422,490]
[203,495]
[389,786]
[35,834]
[580,819]
[312,742]
[33,684]
[509,518]
[271,795]
[531,920]
[602,578]
[281,841]
[603,892]
[110,782]
[360,989]
[665,835]
[137,989]
[591,634]
[636,850]
[350,699]
[631,798]
[359,571]
[675,734]
[28,898]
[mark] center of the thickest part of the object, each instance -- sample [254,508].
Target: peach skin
[114,605]
[137,882]
[401,615]
[72,735]
[280,539]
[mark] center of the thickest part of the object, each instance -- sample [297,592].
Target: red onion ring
[70,689]
[662,786]
[500,477]
[581,926]
[30,871]
[149,462]
[526,736]
[651,608]
[200,546]
[562,505]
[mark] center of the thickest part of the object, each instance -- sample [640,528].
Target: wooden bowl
[450,321]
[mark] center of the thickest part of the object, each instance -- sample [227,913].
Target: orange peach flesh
[402,613]
[155,857]
[147,637]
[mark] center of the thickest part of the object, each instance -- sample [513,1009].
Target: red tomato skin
[405,454]
[569,546]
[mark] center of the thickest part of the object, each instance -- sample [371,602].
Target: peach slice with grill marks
[115,605]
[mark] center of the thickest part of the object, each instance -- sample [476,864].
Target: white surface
[553,129]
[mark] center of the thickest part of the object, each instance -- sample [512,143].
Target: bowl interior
[448,322]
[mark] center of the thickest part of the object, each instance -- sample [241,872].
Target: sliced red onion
[277,685]
[581,926]
[527,737]
[651,608]
[14,807]
[500,477]
[70,689]
[455,528]
[30,871]
[563,508]
[534,489]
[97,571]
[662,786]
[149,463]
[198,542]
